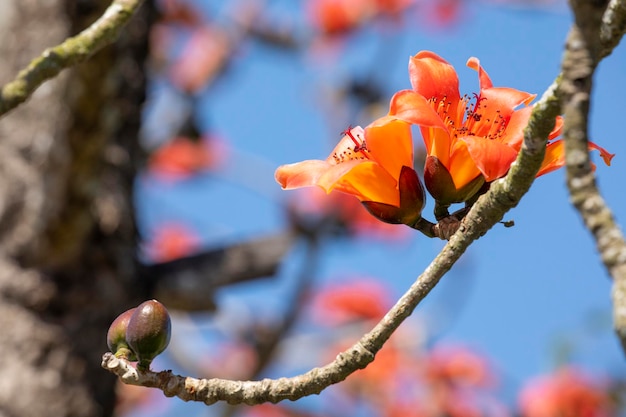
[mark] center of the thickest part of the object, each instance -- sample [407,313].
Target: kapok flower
[339,16]
[374,164]
[334,17]
[568,392]
[184,156]
[356,299]
[457,365]
[172,241]
[479,137]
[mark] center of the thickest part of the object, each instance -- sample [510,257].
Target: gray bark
[67,237]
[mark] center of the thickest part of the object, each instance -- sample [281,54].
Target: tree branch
[613,26]
[72,51]
[189,283]
[586,44]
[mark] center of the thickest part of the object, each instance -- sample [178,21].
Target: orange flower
[479,136]
[568,393]
[374,164]
[339,16]
[393,8]
[333,17]
[172,241]
[357,299]
[458,365]
[183,156]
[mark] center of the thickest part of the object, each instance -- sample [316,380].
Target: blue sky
[522,295]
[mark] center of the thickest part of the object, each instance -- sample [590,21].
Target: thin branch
[72,51]
[586,43]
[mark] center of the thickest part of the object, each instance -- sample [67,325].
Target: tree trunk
[67,234]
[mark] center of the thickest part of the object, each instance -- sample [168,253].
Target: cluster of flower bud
[141,333]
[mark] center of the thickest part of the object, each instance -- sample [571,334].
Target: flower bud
[440,184]
[148,332]
[116,336]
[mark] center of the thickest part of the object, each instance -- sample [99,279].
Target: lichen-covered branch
[613,26]
[72,51]
[586,44]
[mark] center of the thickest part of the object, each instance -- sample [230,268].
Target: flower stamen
[359,145]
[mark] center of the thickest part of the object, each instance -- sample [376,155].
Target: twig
[586,44]
[72,51]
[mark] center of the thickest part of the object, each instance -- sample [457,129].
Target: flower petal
[558,128]
[438,143]
[432,76]
[493,158]
[300,174]
[514,133]
[494,108]
[554,157]
[413,108]
[502,101]
[606,156]
[483,77]
[461,165]
[391,145]
[366,180]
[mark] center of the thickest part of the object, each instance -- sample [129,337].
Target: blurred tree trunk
[67,234]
